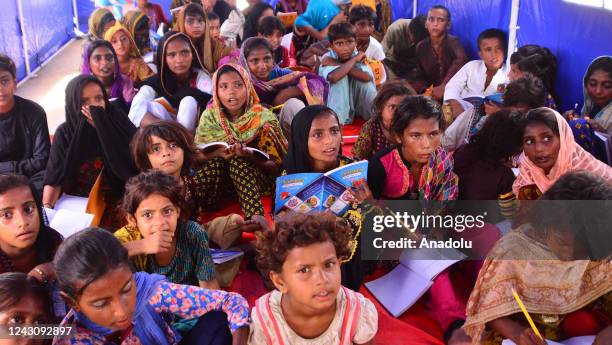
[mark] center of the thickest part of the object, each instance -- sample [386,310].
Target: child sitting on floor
[479,78]
[302,258]
[351,81]
[363,18]
[272,29]
[157,239]
[112,305]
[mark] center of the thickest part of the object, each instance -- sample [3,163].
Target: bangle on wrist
[42,274]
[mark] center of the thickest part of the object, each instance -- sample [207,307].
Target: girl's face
[324,140]
[232,92]
[389,109]
[514,73]
[28,311]
[19,220]
[214,27]
[92,95]
[179,57]
[599,88]
[541,145]
[419,140]
[261,63]
[274,39]
[310,277]
[121,43]
[166,156]
[102,63]
[109,301]
[194,27]
[155,213]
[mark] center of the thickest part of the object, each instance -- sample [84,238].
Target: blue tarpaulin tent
[575,33]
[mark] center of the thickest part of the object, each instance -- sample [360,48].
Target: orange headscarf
[571,157]
[108,36]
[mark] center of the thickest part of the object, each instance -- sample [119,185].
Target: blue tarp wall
[576,34]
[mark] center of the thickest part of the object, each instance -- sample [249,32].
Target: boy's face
[344,47]
[214,27]
[491,52]
[364,29]
[8,85]
[274,39]
[437,22]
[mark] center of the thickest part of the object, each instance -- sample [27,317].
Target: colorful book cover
[319,192]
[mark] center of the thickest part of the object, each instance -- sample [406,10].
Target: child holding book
[158,239]
[479,78]
[351,81]
[111,304]
[236,118]
[316,146]
[309,306]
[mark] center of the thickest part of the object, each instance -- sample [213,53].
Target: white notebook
[69,216]
[585,340]
[401,288]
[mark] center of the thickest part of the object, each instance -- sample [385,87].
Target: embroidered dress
[355,322]
[371,140]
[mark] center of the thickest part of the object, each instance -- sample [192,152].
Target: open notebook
[69,215]
[585,340]
[405,284]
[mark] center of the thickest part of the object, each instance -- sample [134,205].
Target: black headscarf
[77,141]
[164,82]
[297,159]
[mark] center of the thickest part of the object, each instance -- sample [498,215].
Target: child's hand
[438,92]
[241,150]
[43,272]
[570,115]
[256,223]
[361,192]
[224,153]
[528,337]
[87,113]
[360,57]
[158,242]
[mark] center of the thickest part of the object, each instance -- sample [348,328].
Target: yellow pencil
[277,107]
[520,303]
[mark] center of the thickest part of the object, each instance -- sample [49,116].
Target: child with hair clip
[169,147]
[158,238]
[23,301]
[309,306]
[112,305]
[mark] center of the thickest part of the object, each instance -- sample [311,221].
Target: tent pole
[414,8]
[24,41]
[76,14]
[512,29]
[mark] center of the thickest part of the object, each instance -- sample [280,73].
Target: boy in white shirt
[363,19]
[479,78]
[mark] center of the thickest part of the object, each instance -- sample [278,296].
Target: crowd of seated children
[161,148]
[24,147]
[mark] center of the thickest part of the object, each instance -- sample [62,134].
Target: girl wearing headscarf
[100,20]
[277,86]
[89,156]
[549,151]
[137,23]
[315,146]
[130,61]
[100,61]
[236,118]
[180,88]
[191,21]
[597,109]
